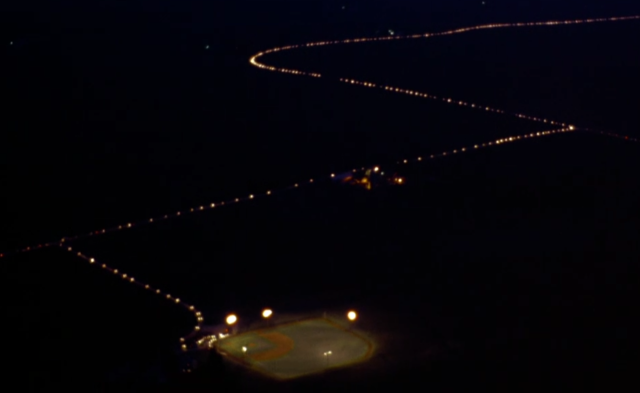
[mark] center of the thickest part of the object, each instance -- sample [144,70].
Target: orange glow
[266,313]
[352,315]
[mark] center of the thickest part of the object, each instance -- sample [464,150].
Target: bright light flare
[352,315]
[231,319]
[266,313]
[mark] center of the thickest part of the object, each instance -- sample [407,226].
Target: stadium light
[352,315]
[326,356]
[231,319]
[266,313]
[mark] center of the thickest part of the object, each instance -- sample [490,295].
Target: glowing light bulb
[231,319]
[352,315]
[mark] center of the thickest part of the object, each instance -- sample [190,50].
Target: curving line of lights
[253,60]
[191,308]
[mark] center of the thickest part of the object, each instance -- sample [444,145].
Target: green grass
[297,349]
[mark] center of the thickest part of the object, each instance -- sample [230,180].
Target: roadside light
[376,169]
[352,315]
[231,319]
[266,313]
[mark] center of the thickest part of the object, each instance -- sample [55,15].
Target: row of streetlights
[254,62]
[231,319]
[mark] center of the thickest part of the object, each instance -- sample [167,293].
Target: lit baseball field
[296,349]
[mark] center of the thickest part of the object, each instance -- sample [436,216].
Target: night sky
[517,260]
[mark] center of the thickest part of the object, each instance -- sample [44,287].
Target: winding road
[555,127]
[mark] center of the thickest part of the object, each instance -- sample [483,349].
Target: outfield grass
[296,349]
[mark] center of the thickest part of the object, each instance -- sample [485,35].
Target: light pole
[326,357]
[266,314]
[231,320]
[352,316]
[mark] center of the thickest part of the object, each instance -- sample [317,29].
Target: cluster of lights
[209,341]
[92,261]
